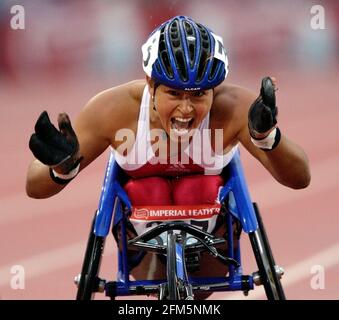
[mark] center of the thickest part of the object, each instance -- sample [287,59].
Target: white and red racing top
[142,162]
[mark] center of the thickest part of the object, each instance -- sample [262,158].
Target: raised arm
[51,146]
[259,134]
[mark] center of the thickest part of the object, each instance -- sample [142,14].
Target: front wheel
[171,267]
[265,261]
[89,281]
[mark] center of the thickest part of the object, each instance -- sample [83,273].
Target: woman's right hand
[58,149]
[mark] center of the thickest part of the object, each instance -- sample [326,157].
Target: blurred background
[70,50]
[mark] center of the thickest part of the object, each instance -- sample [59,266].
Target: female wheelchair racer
[185,93]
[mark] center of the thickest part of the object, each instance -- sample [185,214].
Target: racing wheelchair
[182,243]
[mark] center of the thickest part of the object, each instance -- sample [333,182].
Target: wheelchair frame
[114,206]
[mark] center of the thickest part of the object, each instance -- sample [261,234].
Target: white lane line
[271,194]
[45,262]
[19,208]
[51,261]
[294,273]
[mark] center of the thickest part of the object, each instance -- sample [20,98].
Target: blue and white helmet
[185,55]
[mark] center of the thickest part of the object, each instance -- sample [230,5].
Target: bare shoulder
[120,100]
[112,109]
[230,108]
[232,100]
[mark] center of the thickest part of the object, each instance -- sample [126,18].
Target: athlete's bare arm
[287,163]
[95,128]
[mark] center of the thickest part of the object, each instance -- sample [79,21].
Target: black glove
[53,147]
[263,112]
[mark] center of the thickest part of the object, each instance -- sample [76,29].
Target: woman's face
[181,111]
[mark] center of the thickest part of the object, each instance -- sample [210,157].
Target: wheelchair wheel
[171,268]
[265,261]
[89,281]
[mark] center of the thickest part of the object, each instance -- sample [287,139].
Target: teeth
[180,126]
[180,132]
[183,119]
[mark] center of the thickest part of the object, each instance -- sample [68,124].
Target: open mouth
[181,126]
